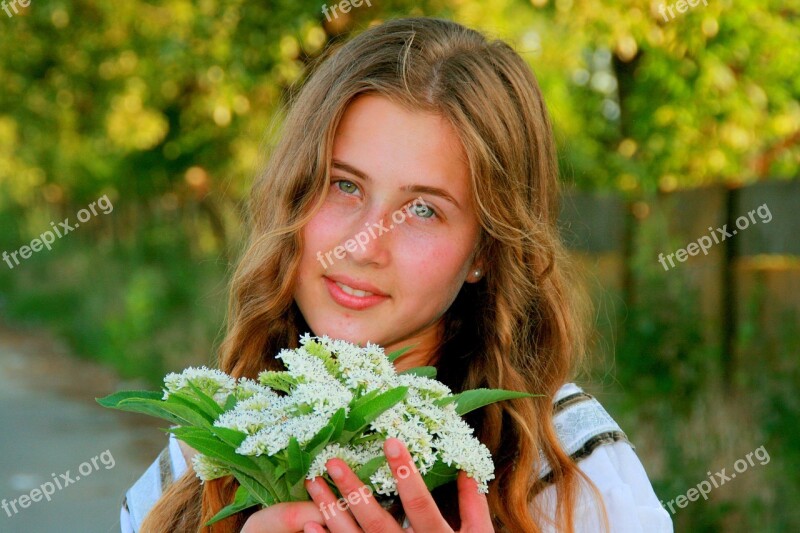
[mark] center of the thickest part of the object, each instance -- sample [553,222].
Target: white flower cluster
[323,376]
[207,468]
[212,382]
[354,455]
[430,432]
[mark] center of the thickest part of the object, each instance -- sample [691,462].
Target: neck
[412,360]
[424,351]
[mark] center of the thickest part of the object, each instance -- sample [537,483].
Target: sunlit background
[672,120]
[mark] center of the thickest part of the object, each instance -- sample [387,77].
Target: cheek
[322,232]
[434,265]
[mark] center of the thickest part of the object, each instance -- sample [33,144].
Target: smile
[353,292]
[351,298]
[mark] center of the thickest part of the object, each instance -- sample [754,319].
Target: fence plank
[779,236]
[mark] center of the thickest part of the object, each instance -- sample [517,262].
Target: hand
[283,518]
[366,514]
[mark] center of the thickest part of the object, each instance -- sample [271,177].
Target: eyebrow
[436,191]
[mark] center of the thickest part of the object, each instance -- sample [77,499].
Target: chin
[342,328]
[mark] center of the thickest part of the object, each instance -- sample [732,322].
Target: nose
[371,241]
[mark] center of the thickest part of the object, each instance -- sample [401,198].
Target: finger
[283,518]
[418,503]
[337,517]
[372,518]
[313,527]
[472,505]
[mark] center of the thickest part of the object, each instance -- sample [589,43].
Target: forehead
[389,142]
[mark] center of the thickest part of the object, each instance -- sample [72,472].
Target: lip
[356,284]
[350,301]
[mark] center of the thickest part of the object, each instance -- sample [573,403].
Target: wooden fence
[764,252]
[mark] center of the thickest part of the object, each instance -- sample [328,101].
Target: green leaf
[243,500]
[439,474]
[143,402]
[188,410]
[330,432]
[397,353]
[212,408]
[362,415]
[256,489]
[278,380]
[112,400]
[299,462]
[206,443]
[173,412]
[298,492]
[229,436]
[192,408]
[424,371]
[230,402]
[361,400]
[261,469]
[270,471]
[338,419]
[369,468]
[474,399]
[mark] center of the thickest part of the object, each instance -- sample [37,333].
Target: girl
[412,200]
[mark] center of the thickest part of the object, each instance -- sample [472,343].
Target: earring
[477,273]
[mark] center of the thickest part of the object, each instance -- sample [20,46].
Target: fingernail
[313,488]
[335,471]
[393,449]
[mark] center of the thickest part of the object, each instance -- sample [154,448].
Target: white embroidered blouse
[587,432]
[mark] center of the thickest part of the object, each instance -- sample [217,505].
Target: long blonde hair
[521,327]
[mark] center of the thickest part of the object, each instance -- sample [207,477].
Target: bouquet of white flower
[335,399]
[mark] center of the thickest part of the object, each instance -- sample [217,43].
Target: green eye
[421,209]
[346,183]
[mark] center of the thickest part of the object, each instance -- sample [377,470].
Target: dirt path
[51,426]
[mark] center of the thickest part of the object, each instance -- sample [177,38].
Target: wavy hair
[522,327]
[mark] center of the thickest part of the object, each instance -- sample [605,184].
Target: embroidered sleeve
[582,424]
[603,452]
[140,498]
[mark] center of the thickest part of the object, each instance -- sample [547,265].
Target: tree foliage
[169,101]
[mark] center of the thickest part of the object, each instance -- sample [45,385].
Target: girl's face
[397,223]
